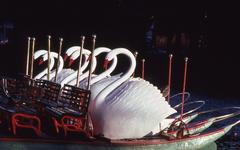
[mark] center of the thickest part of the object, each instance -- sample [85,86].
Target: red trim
[105,64]
[57,125]
[65,57]
[17,123]
[70,62]
[169,76]
[40,61]
[192,126]
[77,126]
[184,86]
[143,68]
[70,124]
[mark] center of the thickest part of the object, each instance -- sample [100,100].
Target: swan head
[73,56]
[39,53]
[70,51]
[70,62]
[109,57]
[40,61]
[65,57]
[45,57]
[105,64]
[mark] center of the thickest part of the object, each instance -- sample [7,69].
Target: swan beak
[40,61]
[70,62]
[105,64]
[89,57]
[65,57]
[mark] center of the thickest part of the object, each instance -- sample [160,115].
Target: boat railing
[51,92]
[75,98]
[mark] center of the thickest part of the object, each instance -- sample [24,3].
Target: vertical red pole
[169,76]
[49,61]
[143,68]
[135,55]
[184,85]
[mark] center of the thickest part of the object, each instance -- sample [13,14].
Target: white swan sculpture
[37,54]
[83,82]
[53,72]
[69,52]
[62,73]
[71,78]
[128,108]
[66,72]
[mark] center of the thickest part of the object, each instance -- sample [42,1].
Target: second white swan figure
[128,107]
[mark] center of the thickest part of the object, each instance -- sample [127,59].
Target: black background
[123,23]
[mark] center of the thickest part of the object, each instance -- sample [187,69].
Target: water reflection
[212,146]
[41,146]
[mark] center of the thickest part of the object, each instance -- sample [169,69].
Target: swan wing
[97,87]
[135,105]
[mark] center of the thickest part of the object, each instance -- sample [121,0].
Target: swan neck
[103,94]
[106,72]
[73,76]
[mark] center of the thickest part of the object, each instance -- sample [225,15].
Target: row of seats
[26,103]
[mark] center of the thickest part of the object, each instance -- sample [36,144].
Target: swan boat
[190,141]
[17,110]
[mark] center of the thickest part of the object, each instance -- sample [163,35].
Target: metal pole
[58,59]
[184,85]
[80,60]
[28,51]
[169,76]
[33,46]
[90,69]
[49,46]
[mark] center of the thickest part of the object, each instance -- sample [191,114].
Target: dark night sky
[122,23]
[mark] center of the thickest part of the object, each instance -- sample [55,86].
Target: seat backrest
[4,95]
[21,90]
[23,84]
[16,85]
[10,85]
[75,98]
[51,90]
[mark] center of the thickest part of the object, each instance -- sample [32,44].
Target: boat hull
[193,142]
[40,146]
